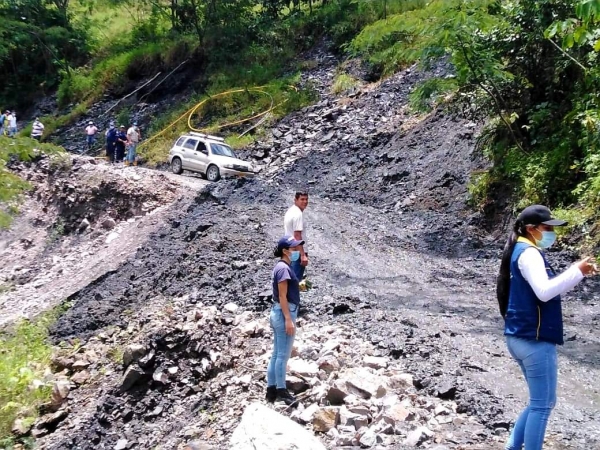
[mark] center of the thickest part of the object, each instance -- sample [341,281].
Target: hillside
[135,301]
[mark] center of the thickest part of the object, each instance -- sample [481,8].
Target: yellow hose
[190,112]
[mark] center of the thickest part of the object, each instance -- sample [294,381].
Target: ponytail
[503,280]
[277,252]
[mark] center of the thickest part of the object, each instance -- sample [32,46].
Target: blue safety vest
[528,317]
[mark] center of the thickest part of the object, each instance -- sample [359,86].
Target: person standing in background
[294,225]
[37,129]
[111,140]
[2,119]
[121,143]
[12,124]
[90,134]
[133,137]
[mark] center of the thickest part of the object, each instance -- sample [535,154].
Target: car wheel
[212,173]
[176,166]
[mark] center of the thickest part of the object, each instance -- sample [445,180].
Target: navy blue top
[282,272]
[528,317]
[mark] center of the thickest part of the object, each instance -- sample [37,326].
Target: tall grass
[24,356]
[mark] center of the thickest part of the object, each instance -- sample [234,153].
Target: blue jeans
[12,131]
[538,361]
[282,346]
[298,269]
[131,149]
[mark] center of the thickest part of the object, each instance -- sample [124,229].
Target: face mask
[548,238]
[295,256]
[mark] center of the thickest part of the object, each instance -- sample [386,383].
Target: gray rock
[295,384]
[328,363]
[81,377]
[375,362]
[132,375]
[231,307]
[20,427]
[60,392]
[306,416]
[415,437]
[362,382]
[80,365]
[84,225]
[109,224]
[133,353]
[368,439]
[121,444]
[265,429]
[198,445]
[303,368]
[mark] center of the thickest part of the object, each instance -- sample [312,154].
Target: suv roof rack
[207,136]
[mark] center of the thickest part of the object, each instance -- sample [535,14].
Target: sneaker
[287,398]
[271,394]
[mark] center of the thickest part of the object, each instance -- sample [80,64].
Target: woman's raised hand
[588,266]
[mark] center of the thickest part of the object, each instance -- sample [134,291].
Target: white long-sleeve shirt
[532,267]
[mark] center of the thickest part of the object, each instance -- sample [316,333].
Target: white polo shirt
[294,221]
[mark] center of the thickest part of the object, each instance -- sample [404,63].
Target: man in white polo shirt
[293,224]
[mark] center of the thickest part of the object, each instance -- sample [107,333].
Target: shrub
[24,355]
[344,84]
[428,94]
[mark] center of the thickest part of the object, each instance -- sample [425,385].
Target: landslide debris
[170,348]
[81,219]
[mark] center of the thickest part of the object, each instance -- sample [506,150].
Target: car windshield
[222,150]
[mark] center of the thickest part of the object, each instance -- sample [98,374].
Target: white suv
[208,155]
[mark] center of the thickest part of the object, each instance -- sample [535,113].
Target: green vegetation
[223,114]
[431,93]
[24,356]
[344,83]
[533,67]
[11,185]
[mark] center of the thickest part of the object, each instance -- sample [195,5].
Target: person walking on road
[37,129]
[293,224]
[528,292]
[133,137]
[286,303]
[90,134]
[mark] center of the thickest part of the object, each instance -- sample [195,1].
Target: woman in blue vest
[528,293]
[286,303]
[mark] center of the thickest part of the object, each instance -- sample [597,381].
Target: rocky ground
[82,219]
[399,342]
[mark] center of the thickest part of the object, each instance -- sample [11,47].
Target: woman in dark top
[529,298]
[286,302]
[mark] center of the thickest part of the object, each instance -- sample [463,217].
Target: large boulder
[363,382]
[265,429]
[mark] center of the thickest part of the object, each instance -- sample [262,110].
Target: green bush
[428,94]
[344,84]
[24,356]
